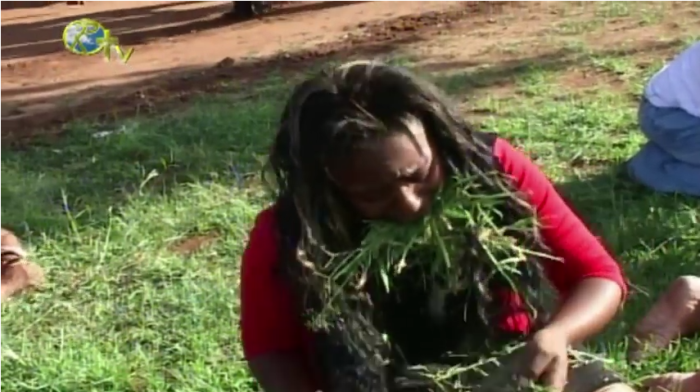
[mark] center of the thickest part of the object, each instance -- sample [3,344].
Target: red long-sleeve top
[268,319]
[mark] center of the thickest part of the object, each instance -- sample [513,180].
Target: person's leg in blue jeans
[670,161]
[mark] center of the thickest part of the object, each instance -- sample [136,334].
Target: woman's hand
[20,276]
[546,358]
[591,305]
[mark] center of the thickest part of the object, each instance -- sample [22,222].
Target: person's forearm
[591,306]
[281,372]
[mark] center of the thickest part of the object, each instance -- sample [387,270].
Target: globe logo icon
[84,37]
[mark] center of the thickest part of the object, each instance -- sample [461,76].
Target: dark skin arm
[588,276]
[594,301]
[591,306]
[280,372]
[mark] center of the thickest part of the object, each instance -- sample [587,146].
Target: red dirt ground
[185,48]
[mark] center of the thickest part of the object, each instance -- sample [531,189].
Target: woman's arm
[271,331]
[587,277]
[588,309]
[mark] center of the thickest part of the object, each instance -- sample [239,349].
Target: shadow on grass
[654,236]
[481,76]
[98,168]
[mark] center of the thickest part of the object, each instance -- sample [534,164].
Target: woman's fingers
[18,274]
[556,375]
[535,366]
[19,277]
[14,280]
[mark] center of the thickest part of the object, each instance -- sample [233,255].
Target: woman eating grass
[405,248]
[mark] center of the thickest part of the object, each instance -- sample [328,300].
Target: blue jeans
[670,161]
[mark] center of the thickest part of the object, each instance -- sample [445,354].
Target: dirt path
[183,49]
[177,46]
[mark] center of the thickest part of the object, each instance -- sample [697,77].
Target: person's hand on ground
[18,274]
[546,359]
[674,382]
[19,277]
[675,314]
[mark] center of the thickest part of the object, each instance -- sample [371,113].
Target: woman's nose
[410,203]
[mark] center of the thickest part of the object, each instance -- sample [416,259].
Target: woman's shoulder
[517,165]
[266,225]
[264,234]
[507,157]
[501,150]
[266,218]
[504,151]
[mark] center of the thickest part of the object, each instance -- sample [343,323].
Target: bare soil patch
[558,37]
[194,243]
[188,50]
[183,49]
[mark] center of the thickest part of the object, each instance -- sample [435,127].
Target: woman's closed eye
[386,193]
[416,176]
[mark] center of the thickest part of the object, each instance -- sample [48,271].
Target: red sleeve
[582,254]
[268,321]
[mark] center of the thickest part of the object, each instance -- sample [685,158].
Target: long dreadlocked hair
[326,116]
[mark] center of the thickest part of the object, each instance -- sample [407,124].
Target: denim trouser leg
[670,161]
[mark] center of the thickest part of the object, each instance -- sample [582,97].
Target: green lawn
[122,311]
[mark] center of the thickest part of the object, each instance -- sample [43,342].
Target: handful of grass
[440,239]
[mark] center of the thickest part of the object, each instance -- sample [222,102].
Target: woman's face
[393,178]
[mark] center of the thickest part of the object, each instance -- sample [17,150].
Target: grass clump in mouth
[464,225]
